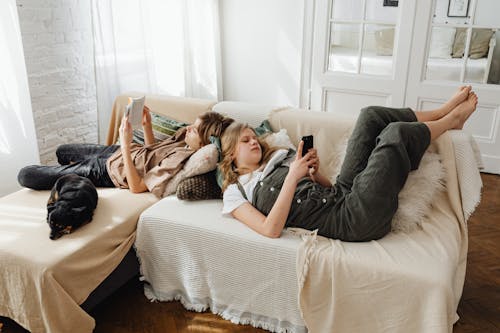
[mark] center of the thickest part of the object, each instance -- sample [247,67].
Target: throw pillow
[480,43]
[459,43]
[202,161]
[280,139]
[201,187]
[384,41]
[442,42]
[163,127]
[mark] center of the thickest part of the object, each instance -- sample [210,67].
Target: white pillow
[442,39]
[202,161]
[279,139]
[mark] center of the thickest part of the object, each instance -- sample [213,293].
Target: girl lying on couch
[140,168]
[270,188]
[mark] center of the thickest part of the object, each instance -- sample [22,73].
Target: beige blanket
[42,282]
[415,279]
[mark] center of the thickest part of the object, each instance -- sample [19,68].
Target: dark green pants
[385,146]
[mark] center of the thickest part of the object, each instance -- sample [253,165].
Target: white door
[445,31]
[360,54]
[350,64]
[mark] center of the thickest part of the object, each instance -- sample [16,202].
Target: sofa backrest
[330,130]
[249,113]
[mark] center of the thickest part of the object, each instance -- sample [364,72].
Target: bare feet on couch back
[464,110]
[460,95]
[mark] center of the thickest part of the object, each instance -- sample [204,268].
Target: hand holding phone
[308,144]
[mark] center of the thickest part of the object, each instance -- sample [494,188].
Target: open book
[134,111]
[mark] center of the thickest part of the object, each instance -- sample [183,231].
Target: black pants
[86,160]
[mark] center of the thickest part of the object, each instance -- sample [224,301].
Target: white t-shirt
[233,198]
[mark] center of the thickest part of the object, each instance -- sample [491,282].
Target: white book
[134,111]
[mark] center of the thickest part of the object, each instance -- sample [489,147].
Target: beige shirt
[156,163]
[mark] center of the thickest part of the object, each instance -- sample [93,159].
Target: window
[463,42]
[362,34]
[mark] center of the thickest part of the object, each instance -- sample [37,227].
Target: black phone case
[308,143]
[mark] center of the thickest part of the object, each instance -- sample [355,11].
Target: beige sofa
[188,251]
[406,282]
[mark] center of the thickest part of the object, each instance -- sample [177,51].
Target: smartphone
[308,143]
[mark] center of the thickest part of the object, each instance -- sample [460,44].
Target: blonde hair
[229,142]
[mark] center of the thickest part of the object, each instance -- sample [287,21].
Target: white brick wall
[58,49]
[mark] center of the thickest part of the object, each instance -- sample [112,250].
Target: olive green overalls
[386,144]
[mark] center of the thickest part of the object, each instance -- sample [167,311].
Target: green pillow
[163,128]
[263,128]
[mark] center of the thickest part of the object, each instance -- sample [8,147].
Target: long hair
[212,124]
[229,142]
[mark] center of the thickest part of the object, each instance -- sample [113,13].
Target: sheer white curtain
[18,144]
[167,47]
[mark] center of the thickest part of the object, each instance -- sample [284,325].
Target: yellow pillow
[384,41]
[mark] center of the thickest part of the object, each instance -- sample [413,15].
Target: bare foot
[460,95]
[463,111]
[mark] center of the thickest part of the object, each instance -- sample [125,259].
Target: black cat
[71,203]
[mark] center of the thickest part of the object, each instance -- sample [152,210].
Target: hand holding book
[134,111]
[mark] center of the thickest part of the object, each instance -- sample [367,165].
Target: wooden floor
[129,311]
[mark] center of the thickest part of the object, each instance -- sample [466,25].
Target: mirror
[344,38]
[376,56]
[378,48]
[362,36]
[451,35]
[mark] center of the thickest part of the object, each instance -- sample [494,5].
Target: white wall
[17,133]
[58,47]
[262,50]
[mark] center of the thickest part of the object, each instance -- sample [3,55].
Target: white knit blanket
[404,282]
[468,161]
[189,252]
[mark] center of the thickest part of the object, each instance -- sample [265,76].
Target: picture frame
[391,3]
[458,8]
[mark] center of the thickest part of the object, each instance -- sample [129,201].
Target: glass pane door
[463,43]
[362,34]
